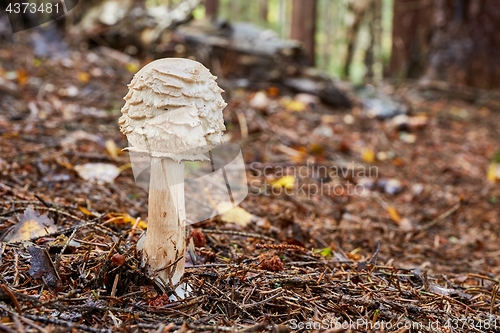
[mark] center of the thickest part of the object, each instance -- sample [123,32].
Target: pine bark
[455,41]
[211,9]
[303,26]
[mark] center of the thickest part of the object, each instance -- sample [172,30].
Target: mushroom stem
[165,242]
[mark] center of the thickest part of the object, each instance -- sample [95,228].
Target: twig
[237,233]
[441,217]
[12,297]
[246,306]
[243,124]
[374,253]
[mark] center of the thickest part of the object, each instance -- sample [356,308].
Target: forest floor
[399,229]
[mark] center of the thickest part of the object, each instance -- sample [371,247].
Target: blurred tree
[372,54]
[211,9]
[411,29]
[358,8]
[456,41]
[263,10]
[303,27]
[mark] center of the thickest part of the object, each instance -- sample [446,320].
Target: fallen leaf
[285,182]
[405,224]
[273,91]
[354,254]
[83,77]
[22,77]
[111,148]
[316,149]
[98,172]
[85,211]
[259,101]
[41,267]
[326,252]
[368,155]
[119,218]
[230,214]
[132,67]
[31,225]
[62,241]
[393,213]
[494,172]
[295,106]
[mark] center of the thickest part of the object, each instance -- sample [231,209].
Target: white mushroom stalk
[173,112]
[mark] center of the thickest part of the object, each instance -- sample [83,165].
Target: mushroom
[173,112]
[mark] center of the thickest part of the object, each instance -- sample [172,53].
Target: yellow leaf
[112,148]
[10,135]
[132,67]
[119,218]
[31,225]
[230,214]
[494,172]
[285,181]
[368,155]
[295,106]
[85,211]
[83,77]
[142,224]
[393,213]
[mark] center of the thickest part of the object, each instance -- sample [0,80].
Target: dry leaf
[31,225]
[259,101]
[22,77]
[41,267]
[405,224]
[393,213]
[86,211]
[111,148]
[98,172]
[237,215]
[273,91]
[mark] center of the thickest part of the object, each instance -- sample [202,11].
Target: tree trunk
[263,10]
[358,9]
[211,9]
[411,29]
[372,54]
[456,41]
[303,26]
[466,47]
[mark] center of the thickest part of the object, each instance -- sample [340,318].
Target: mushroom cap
[173,109]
